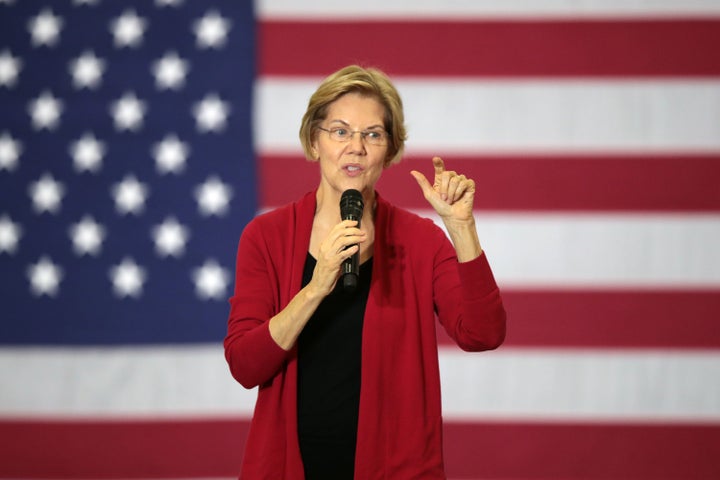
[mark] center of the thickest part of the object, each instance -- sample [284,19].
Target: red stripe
[122,449]
[202,449]
[589,452]
[557,183]
[493,48]
[614,319]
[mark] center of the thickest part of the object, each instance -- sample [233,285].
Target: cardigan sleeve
[253,356]
[467,300]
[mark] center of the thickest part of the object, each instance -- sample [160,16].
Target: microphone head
[351,205]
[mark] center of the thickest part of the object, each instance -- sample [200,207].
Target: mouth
[353,169]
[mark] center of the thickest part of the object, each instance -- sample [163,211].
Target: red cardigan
[415,274]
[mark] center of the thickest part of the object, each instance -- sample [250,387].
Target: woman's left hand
[451,194]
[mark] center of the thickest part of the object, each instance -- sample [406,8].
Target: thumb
[428,191]
[422,181]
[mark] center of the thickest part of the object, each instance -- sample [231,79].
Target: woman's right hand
[341,243]
[285,327]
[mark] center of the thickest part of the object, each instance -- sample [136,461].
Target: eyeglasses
[343,135]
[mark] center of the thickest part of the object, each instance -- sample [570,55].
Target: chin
[360,187]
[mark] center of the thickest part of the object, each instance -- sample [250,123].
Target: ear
[314,150]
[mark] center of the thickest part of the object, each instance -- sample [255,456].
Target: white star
[46,194]
[128,112]
[130,195]
[170,72]
[168,3]
[128,29]
[211,280]
[45,28]
[127,278]
[213,197]
[211,30]
[87,70]
[170,238]
[87,236]
[9,69]
[45,277]
[10,234]
[87,153]
[45,111]
[170,155]
[10,151]
[211,114]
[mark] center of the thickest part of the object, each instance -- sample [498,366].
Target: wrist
[460,225]
[312,293]
[464,238]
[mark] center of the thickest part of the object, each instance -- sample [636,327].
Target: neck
[328,205]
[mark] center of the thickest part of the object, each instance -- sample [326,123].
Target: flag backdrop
[138,138]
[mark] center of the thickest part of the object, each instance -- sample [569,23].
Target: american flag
[138,138]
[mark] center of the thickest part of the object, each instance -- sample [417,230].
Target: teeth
[352,168]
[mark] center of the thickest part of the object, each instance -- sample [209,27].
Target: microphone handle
[351,266]
[350,276]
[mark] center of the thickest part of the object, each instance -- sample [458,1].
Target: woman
[348,382]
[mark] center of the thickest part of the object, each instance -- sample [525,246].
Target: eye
[374,135]
[340,132]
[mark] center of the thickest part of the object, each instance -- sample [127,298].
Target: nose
[357,142]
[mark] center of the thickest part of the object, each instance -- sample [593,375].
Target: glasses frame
[363,135]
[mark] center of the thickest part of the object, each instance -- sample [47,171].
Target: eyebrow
[371,127]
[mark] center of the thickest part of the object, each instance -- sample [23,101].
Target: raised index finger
[439,165]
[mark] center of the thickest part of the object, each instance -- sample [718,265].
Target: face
[353,164]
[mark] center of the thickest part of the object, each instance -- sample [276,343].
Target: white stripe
[458,116]
[193,381]
[591,385]
[433,9]
[600,250]
[165,381]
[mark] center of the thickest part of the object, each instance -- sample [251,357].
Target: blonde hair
[366,81]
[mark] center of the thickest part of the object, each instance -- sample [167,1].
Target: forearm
[285,327]
[464,238]
[469,304]
[255,347]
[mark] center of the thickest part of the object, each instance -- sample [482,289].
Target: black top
[329,352]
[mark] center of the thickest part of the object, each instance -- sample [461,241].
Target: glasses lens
[375,137]
[340,134]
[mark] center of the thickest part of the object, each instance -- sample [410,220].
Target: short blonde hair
[365,81]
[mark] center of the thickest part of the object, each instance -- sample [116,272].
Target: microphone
[351,208]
